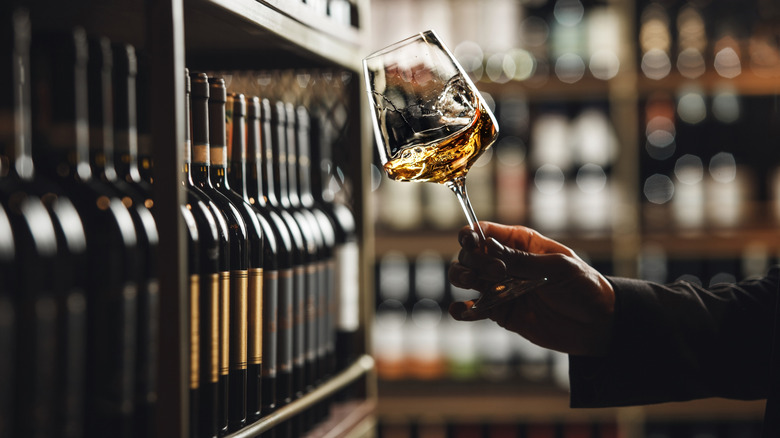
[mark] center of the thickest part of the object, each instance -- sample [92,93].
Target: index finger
[524,238]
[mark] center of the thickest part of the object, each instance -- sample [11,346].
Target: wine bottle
[275,285]
[239,257]
[126,92]
[324,332]
[61,154]
[272,130]
[101,159]
[71,241]
[244,128]
[218,115]
[302,204]
[34,299]
[193,309]
[345,347]
[213,267]
[304,274]
[30,300]
[8,326]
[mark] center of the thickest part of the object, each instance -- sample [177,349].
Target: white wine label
[347,287]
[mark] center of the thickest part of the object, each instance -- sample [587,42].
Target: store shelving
[217,35]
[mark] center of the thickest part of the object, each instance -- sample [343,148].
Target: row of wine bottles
[273,273]
[79,288]
[272,257]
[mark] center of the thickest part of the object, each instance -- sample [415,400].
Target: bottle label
[270,306]
[224,323]
[194,331]
[310,311]
[214,326]
[200,154]
[347,290]
[255,316]
[299,318]
[325,312]
[285,334]
[218,155]
[239,288]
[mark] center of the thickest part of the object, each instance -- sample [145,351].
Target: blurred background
[644,135]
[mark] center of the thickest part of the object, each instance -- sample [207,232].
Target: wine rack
[222,35]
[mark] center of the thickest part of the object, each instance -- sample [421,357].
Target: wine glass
[431,124]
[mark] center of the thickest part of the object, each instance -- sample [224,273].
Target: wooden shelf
[445,242]
[425,404]
[591,89]
[267,34]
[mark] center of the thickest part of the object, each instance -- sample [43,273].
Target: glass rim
[418,36]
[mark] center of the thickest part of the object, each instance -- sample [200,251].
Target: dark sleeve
[679,342]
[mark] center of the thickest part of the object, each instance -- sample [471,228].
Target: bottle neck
[187,146]
[60,122]
[253,171]
[267,159]
[125,116]
[278,155]
[303,160]
[200,169]
[236,144]
[15,144]
[291,159]
[217,136]
[101,128]
[321,162]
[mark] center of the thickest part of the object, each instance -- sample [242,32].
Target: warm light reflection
[727,63]
[656,64]
[690,63]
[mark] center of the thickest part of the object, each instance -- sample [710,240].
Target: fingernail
[467,238]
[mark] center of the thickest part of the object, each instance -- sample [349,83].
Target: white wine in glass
[431,124]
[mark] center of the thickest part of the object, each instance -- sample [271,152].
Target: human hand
[571,312]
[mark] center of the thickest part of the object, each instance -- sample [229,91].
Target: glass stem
[458,186]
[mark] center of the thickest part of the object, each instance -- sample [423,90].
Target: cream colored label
[218,155]
[224,323]
[194,331]
[200,154]
[255,316]
[239,283]
[347,287]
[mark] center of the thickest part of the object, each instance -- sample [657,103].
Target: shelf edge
[362,365]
